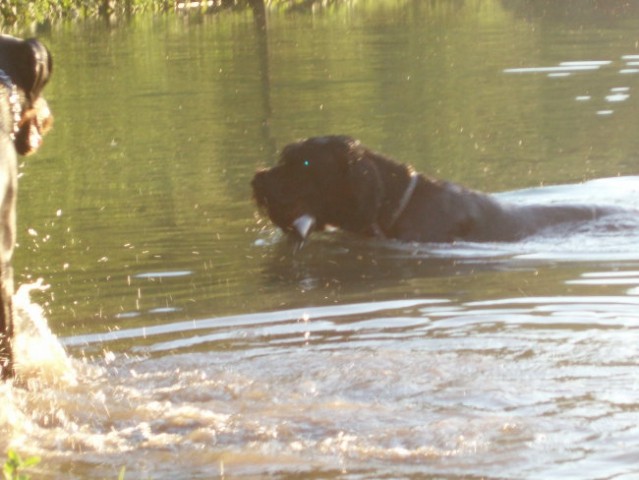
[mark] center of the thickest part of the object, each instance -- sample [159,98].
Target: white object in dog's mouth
[303,225]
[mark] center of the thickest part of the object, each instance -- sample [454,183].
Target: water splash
[39,355]
[31,402]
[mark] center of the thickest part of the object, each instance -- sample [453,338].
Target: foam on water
[374,388]
[296,409]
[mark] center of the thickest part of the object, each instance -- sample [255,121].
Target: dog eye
[306,162]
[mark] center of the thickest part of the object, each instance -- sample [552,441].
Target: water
[179,335]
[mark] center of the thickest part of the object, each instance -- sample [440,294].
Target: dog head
[321,181]
[28,64]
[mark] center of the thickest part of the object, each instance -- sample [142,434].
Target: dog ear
[37,69]
[366,187]
[41,67]
[28,63]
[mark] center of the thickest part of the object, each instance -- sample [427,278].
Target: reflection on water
[616,95]
[182,337]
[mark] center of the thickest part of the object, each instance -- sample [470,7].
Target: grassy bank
[25,11]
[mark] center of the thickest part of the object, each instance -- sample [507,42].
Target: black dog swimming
[335,180]
[25,68]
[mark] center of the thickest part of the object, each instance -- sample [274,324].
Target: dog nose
[261,185]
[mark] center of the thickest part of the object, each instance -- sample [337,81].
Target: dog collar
[14,102]
[403,203]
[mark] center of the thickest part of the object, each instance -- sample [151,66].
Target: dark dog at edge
[335,180]
[25,68]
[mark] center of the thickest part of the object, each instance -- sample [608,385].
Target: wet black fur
[342,183]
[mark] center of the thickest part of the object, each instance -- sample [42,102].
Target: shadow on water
[262,50]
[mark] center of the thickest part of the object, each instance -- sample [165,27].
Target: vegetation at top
[25,11]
